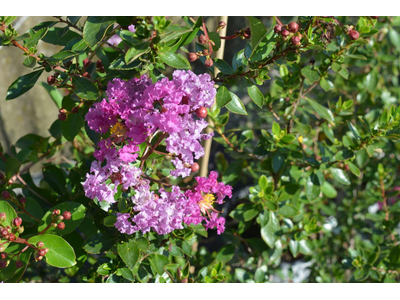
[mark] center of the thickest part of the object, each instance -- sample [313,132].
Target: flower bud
[54,225]
[99,64]
[3,217]
[75,109]
[295,40]
[60,218]
[17,222]
[293,27]
[86,75]
[284,31]
[3,264]
[21,229]
[247,33]
[195,167]
[38,257]
[86,62]
[193,57]
[56,212]
[61,226]
[353,34]
[19,264]
[277,28]
[42,252]
[51,80]
[209,62]
[11,237]
[5,195]
[40,244]
[4,232]
[201,112]
[67,215]
[202,39]
[62,116]
[3,255]
[46,250]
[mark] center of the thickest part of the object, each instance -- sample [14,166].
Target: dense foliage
[303,123]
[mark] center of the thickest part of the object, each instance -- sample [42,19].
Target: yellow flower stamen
[206,203]
[118,130]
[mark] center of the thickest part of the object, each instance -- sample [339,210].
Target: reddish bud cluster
[354,35]
[51,80]
[5,195]
[67,215]
[17,222]
[293,27]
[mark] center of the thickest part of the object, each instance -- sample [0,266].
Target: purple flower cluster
[133,113]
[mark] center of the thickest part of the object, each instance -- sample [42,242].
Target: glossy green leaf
[269,232]
[95,29]
[158,263]
[223,97]
[176,61]
[23,84]
[60,254]
[340,176]
[256,95]
[129,252]
[235,105]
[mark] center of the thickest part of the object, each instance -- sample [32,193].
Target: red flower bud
[247,33]
[60,218]
[3,255]
[42,252]
[277,28]
[56,212]
[293,27]
[99,64]
[62,116]
[284,31]
[51,80]
[11,237]
[40,244]
[67,215]
[86,62]
[5,195]
[195,167]
[193,57]
[61,225]
[19,264]
[3,264]
[353,34]
[4,232]
[86,75]
[202,39]
[295,40]
[209,62]
[201,112]
[17,222]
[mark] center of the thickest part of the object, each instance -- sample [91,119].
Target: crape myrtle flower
[132,113]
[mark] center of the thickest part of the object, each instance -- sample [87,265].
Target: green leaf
[328,190]
[288,211]
[394,37]
[245,212]
[322,111]
[23,84]
[257,31]
[269,232]
[61,56]
[256,95]
[129,252]
[233,172]
[354,169]
[236,106]
[85,89]
[223,96]
[10,213]
[158,262]
[52,36]
[29,62]
[54,94]
[99,242]
[305,247]
[77,211]
[174,60]
[35,38]
[223,66]
[60,255]
[294,247]
[120,64]
[313,187]
[95,29]
[71,127]
[326,84]
[263,183]
[226,253]
[135,52]
[310,74]
[12,167]
[344,73]
[340,176]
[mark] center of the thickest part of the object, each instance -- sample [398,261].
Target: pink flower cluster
[133,113]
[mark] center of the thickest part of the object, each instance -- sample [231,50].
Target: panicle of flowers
[133,112]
